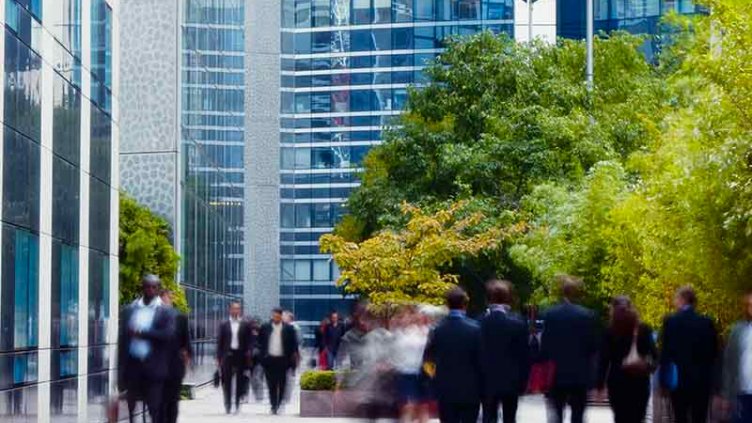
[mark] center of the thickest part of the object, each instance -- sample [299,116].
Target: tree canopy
[145,248]
[639,187]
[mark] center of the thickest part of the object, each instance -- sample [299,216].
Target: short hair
[233,302]
[499,291]
[277,310]
[150,279]
[687,294]
[570,286]
[331,312]
[457,298]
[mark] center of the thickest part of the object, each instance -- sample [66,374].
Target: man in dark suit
[690,345]
[570,342]
[234,349]
[504,355]
[278,345]
[454,347]
[147,329]
[180,358]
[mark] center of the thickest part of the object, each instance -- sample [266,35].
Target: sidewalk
[208,408]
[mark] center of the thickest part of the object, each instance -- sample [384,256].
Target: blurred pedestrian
[504,355]
[454,348]
[333,333]
[179,359]
[570,343]
[289,319]
[690,350]
[737,367]
[628,357]
[233,355]
[146,331]
[320,345]
[256,370]
[410,338]
[350,354]
[278,344]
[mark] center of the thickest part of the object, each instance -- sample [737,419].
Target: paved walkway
[208,408]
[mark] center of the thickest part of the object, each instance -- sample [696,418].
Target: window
[321,270]
[302,215]
[101,144]
[287,213]
[361,12]
[383,11]
[22,83]
[303,13]
[303,270]
[287,270]
[322,217]
[424,10]
[321,13]
[99,297]
[21,180]
[20,290]
[402,10]
[99,215]
[64,295]
[65,200]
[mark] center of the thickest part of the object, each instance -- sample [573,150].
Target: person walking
[570,343]
[147,329]
[690,348]
[279,353]
[333,333]
[737,367]
[233,355]
[179,359]
[504,354]
[628,357]
[408,348]
[454,348]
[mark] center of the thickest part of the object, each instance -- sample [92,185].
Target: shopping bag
[541,377]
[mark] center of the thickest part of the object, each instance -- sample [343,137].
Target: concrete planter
[317,403]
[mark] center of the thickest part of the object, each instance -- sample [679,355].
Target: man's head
[150,287]
[499,292]
[166,296]
[457,299]
[747,302]
[277,315]
[288,317]
[235,309]
[333,317]
[570,287]
[685,297]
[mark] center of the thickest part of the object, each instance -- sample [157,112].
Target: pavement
[208,408]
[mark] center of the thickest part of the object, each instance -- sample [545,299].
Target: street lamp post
[589,42]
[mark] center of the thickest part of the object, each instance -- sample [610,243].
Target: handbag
[669,376]
[216,378]
[634,363]
[542,376]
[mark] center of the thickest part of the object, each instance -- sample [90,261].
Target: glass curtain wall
[346,66]
[212,128]
[25,30]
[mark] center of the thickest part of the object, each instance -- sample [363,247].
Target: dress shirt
[234,329]
[745,378]
[275,341]
[142,320]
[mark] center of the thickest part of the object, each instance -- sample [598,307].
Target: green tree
[413,264]
[145,248]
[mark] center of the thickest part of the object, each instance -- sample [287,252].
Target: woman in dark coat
[627,375]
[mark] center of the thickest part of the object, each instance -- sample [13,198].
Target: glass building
[59,143]
[345,69]
[182,145]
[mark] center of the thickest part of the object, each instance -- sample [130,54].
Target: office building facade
[182,144]
[59,189]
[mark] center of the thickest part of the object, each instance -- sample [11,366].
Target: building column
[262,105]
[83,227]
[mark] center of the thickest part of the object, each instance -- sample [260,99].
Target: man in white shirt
[737,366]
[234,347]
[279,353]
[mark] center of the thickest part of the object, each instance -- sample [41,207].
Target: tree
[411,265]
[145,248]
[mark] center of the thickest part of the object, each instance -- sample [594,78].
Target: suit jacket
[504,354]
[454,347]
[224,341]
[161,335]
[690,342]
[181,342]
[289,343]
[570,340]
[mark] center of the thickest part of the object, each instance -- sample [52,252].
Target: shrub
[318,380]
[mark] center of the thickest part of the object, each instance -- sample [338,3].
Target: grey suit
[732,365]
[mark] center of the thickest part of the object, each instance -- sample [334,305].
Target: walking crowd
[417,360]
[420,356]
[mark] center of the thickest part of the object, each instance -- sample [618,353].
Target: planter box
[316,403]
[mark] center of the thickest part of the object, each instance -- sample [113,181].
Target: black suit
[504,361]
[144,379]
[690,342]
[179,346]
[454,346]
[276,366]
[570,341]
[233,361]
